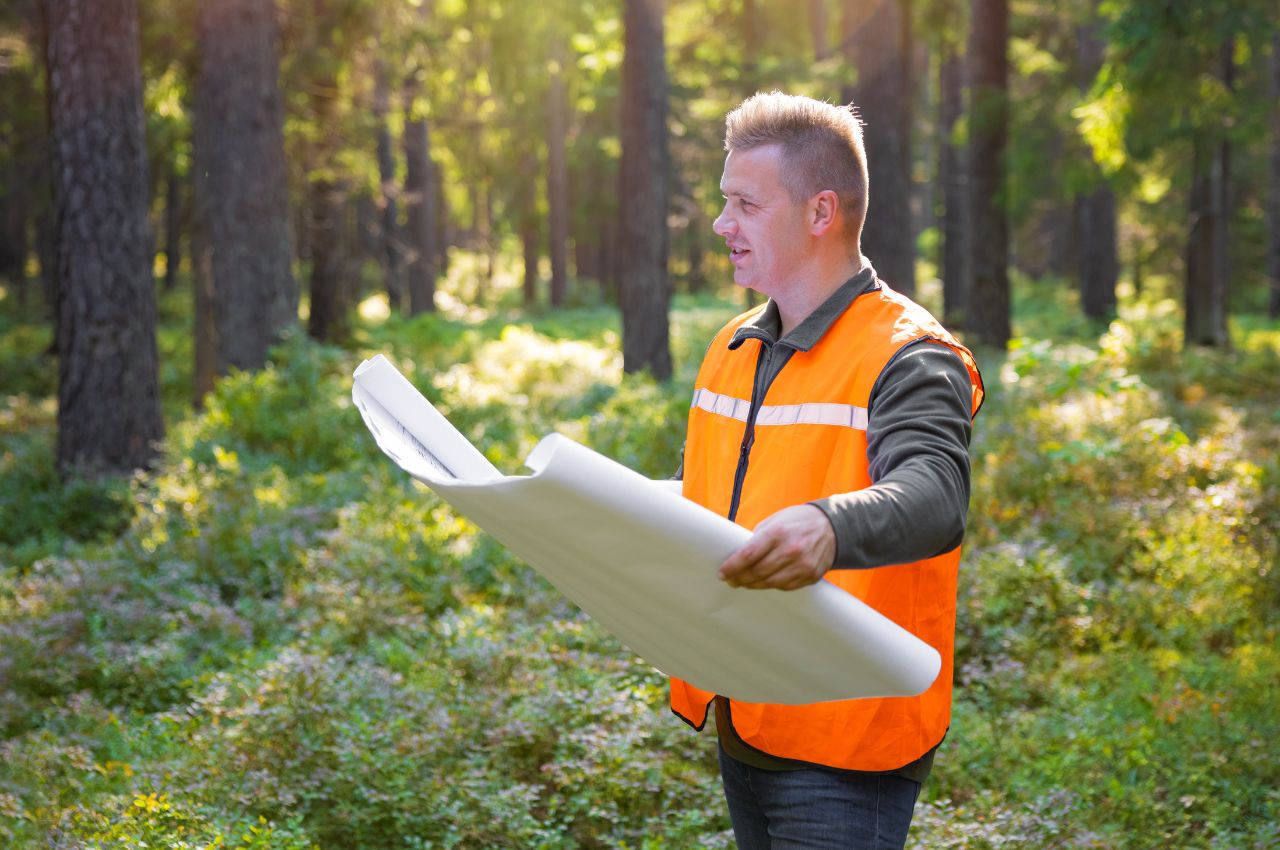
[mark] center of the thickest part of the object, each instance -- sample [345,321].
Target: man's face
[766,231]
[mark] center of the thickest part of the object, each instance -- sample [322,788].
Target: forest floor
[277,640]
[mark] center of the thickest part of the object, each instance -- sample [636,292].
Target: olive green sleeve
[918,429]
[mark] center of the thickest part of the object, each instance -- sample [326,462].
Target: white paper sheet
[641,560]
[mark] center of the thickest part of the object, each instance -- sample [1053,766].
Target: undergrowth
[275,639]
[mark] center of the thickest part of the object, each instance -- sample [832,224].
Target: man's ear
[824,211]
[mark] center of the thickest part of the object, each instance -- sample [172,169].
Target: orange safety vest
[810,442]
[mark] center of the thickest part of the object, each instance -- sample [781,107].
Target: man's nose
[722,225]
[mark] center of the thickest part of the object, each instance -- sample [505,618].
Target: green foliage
[39,509]
[277,640]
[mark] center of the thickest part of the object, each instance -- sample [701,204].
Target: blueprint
[642,561]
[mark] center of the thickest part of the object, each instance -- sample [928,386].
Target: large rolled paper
[642,561]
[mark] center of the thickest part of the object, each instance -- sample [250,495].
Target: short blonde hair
[821,147]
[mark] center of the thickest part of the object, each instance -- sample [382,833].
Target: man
[834,421]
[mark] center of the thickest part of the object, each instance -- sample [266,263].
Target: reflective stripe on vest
[810,413]
[796,462]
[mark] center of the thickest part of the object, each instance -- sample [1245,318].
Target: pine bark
[204,319]
[388,232]
[1099,262]
[558,186]
[330,296]
[1273,183]
[108,387]
[172,226]
[752,39]
[419,197]
[987,314]
[419,201]
[14,244]
[644,288]
[877,42]
[329,320]
[1208,264]
[239,147]
[953,180]
[1199,250]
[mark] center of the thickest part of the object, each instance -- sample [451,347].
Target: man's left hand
[791,549]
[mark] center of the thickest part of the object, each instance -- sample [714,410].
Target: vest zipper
[759,386]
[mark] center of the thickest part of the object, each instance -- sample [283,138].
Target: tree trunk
[818,16]
[952,178]
[1208,265]
[526,207]
[752,39]
[330,298]
[47,220]
[643,284]
[693,242]
[1198,327]
[987,314]
[239,145]
[442,220]
[558,184]
[108,386]
[419,199]
[490,242]
[1273,191]
[877,42]
[594,216]
[419,194]
[923,201]
[1096,222]
[1099,262]
[204,315]
[13,218]
[388,235]
[47,254]
[172,226]
[529,241]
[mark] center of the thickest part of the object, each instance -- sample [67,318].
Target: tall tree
[558,175]
[527,222]
[204,318]
[419,193]
[952,179]
[326,188]
[239,152]
[644,288]
[987,314]
[330,290]
[1208,262]
[108,386]
[25,177]
[388,231]
[752,28]
[173,200]
[1099,263]
[1273,183]
[877,43]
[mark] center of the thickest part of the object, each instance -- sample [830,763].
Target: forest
[228,621]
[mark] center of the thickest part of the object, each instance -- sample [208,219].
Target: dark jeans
[814,808]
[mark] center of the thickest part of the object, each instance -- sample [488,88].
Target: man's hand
[789,550]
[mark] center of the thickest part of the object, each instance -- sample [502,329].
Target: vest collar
[767,324]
